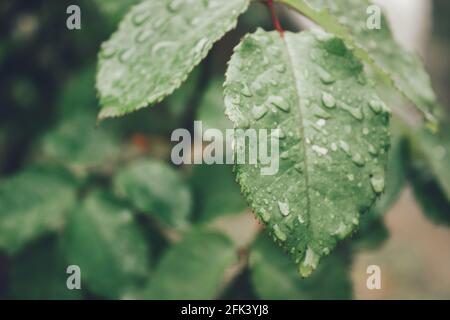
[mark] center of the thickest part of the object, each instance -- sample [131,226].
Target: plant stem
[275,20]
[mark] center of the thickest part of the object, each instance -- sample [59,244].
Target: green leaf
[157,189]
[105,241]
[32,203]
[157,45]
[217,192]
[192,269]
[275,277]
[39,273]
[77,144]
[399,67]
[334,138]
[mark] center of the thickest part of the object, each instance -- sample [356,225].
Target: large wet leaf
[333,133]
[156,189]
[157,45]
[32,203]
[275,277]
[193,268]
[105,241]
[398,66]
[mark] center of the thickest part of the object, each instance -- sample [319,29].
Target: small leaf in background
[75,142]
[404,69]
[33,203]
[156,189]
[104,240]
[274,276]
[157,45]
[217,192]
[333,142]
[193,268]
[39,273]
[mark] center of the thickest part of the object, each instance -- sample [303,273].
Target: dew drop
[319,150]
[300,219]
[175,5]
[126,55]
[377,183]
[284,155]
[144,35]
[246,91]
[284,208]
[161,46]
[108,51]
[140,17]
[259,112]
[328,100]
[265,216]
[280,68]
[309,263]
[326,77]
[372,150]
[358,159]
[280,103]
[376,106]
[345,147]
[279,233]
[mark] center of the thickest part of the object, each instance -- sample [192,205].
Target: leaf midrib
[300,118]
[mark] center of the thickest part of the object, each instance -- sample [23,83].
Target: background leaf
[157,189]
[39,273]
[334,132]
[32,203]
[193,268]
[102,238]
[275,277]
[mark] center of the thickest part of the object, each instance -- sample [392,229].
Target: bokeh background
[46,73]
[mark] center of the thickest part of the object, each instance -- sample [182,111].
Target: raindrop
[372,150]
[265,216]
[108,51]
[321,122]
[300,219]
[279,233]
[284,155]
[246,91]
[143,35]
[376,106]
[158,23]
[326,77]
[259,112]
[278,133]
[284,208]
[175,5]
[140,17]
[280,103]
[358,159]
[333,146]
[319,150]
[280,68]
[344,146]
[328,100]
[365,131]
[161,45]
[309,263]
[377,183]
[126,55]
